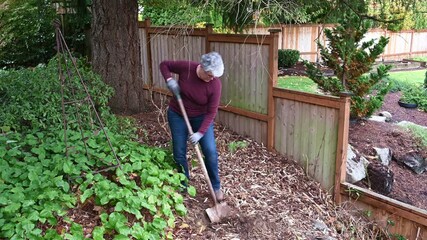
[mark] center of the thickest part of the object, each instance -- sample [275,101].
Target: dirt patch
[408,187]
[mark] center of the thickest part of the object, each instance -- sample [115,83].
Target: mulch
[271,196]
[408,187]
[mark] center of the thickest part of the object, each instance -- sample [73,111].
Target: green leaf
[137,166]
[159,223]
[12,208]
[121,237]
[138,231]
[119,207]
[28,226]
[152,199]
[181,209]
[67,166]
[191,191]
[61,183]
[124,230]
[103,217]
[40,151]
[77,231]
[98,233]
[3,200]
[52,234]
[171,222]
[150,207]
[2,152]
[153,181]
[86,194]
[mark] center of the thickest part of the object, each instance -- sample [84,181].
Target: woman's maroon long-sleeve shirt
[199,97]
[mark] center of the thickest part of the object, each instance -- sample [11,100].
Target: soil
[408,186]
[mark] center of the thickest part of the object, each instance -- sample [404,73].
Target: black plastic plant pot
[407,105]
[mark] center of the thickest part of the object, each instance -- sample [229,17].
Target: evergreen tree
[352,61]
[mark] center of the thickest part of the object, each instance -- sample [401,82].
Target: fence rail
[308,128]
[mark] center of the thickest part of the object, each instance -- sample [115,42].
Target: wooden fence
[310,129]
[403,44]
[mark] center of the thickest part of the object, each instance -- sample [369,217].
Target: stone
[320,225]
[377,118]
[414,162]
[384,155]
[380,178]
[355,169]
[387,115]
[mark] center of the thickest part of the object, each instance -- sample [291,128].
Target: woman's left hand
[195,137]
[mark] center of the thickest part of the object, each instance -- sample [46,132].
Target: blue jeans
[207,142]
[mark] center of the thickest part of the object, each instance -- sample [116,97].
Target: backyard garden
[85,153]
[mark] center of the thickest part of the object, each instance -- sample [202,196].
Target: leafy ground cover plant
[42,176]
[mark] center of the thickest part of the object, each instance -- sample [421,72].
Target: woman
[200,89]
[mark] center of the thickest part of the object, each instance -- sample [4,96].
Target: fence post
[341,156]
[208,29]
[273,70]
[412,42]
[147,25]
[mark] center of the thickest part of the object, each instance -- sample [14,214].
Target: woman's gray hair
[212,62]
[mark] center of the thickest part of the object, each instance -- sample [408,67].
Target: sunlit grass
[408,77]
[417,131]
[424,59]
[298,83]
[305,84]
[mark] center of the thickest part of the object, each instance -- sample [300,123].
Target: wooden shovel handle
[199,154]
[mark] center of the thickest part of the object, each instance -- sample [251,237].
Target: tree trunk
[116,53]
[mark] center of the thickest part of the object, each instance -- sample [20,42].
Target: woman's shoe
[219,195]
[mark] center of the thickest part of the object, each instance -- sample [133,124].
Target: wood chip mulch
[271,196]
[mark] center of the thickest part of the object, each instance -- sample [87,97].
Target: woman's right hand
[173,86]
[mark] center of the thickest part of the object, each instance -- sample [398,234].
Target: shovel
[219,210]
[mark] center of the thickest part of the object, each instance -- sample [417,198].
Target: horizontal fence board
[328,101]
[255,129]
[407,220]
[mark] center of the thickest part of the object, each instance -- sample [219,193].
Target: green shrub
[27,36]
[288,57]
[31,98]
[425,81]
[352,60]
[415,94]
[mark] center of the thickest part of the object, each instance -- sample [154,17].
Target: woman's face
[204,75]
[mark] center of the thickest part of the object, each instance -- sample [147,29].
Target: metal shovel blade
[217,212]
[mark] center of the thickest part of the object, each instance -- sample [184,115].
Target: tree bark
[116,53]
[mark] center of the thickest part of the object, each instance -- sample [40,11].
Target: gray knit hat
[212,62]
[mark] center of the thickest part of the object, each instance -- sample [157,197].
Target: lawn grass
[298,83]
[305,84]
[408,77]
[424,59]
